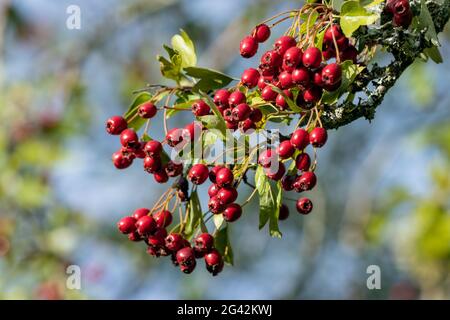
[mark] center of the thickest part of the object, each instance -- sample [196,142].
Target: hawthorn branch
[405,46]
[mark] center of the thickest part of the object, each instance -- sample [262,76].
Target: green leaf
[137,121]
[337,4]
[292,105]
[208,79]
[269,201]
[318,41]
[353,15]
[218,220]
[426,22]
[186,49]
[223,245]
[195,216]
[169,70]
[308,17]
[183,105]
[216,120]
[434,54]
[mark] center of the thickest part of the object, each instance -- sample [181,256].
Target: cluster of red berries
[401,12]
[142,225]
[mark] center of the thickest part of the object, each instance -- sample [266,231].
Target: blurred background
[383,196]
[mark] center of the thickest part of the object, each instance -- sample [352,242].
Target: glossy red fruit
[284,212]
[161,176]
[236,98]
[204,242]
[312,58]
[120,161]
[318,137]
[232,212]
[266,158]
[331,74]
[275,174]
[214,262]
[147,110]
[221,97]
[129,139]
[198,173]
[303,162]
[286,80]
[256,115]
[312,94]
[248,47]
[300,139]
[127,225]
[285,149]
[292,58]
[268,94]
[350,53]
[174,137]
[163,218]
[305,182]
[186,259]
[173,169]
[174,242]
[153,148]
[227,195]
[213,173]
[215,205]
[200,108]
[152,164]
[246,125]
[304,206]
[191,131]
[115,125]
[281,102]
[329,53]
[262,82]
[402,20]
[135,236]
[241,112]
[333,31]
[213,189]
[261,33]
[287,182]
[228,115]
[283,43]
[139,213]
[300,76]
[317,78]
[224,177]
[145,225]
[271,60]
[250,78]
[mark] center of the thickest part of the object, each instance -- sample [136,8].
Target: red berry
[304,205]
[227,195]
[186,259]
[303,162]
[204,242]
[116,124]
[318,137]
[139,213]
[174,242]
[350,53]
[248,47]
[281,100]
[214,262]
[334,30]
[256,115]
[161,176]
[241,112]
[271,60]
[191,131]
[163,218]
[236,98]
[403,20]
[198,173]
[266,158]
[287,182]
[268,94]
[213,190]
[200,108]
[224,177]
[213,173]
[275,174]
[129,139]
[153,148]
[305,182]
[127,225]
[292,58]
[152,164]
[261,33]
[286,80]
[250,78]
[145,225]
[215,205]
[300,76]
[329,52]
[174,137]
[135,236]
[246,125]
[285,149]
[120,161]
[284,212]
[263,81]
[312,94]
[232,212]
[317,78]
[331,74]
[173,169]
[312,58]
[147,110]
[283,43]
[221,97]
[300,139]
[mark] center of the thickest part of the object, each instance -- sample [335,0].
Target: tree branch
[404,45]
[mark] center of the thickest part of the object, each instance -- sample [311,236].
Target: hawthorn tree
[319,75]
